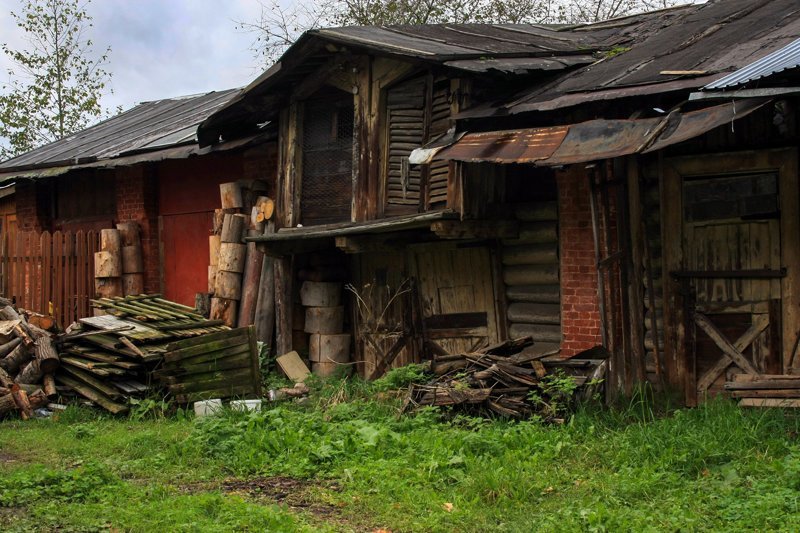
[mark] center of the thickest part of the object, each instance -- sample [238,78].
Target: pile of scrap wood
[28,362]
[110,358]
[512,379]
[765,390]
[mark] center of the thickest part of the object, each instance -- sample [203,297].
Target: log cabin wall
[531,262]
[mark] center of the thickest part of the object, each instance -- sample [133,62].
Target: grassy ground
[348,462]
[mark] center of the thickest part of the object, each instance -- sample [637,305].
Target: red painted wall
[580,315]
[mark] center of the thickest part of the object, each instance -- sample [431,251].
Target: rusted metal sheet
[696,123]
[513,146]
[602,139]
[595,139]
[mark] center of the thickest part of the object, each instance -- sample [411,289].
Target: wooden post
[283,305]
[264,319]
[250,281]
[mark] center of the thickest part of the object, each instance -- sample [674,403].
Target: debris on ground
[512,379]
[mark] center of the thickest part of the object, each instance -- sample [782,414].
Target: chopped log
[233,228]
[7,404]
[45,322]
[232,257]
[132,262]
[329,348]
[228,285]
[214,243]
[21,330]
[250,281]
[5,379]
[230,195]
[202,302]
[212,279]
[45,351]
[30,373]
[107,264]
[219,218]
[20,356]
[49,385]
[225,310]
[111,241]
[321,294]
[108,288]
[256,222]
[8,347]
[133,284]
[327,320]
[266,206]
[129,233]
[325,369]
[21,400]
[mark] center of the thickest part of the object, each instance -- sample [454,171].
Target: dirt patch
[292,492]
[6,457]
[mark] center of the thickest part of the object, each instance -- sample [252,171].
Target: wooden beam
[760,323]
[728,349]
[476,229]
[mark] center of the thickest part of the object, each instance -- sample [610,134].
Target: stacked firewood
[236,268]
[28,362]
[512,379]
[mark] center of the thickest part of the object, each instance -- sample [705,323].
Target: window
[84,196]
[327,148]
[724,197]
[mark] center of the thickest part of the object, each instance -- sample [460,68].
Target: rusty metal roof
[149,126]
[593,140]
[515,146]
[785,58]
[706,41]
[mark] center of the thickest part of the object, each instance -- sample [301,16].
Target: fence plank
[69,292]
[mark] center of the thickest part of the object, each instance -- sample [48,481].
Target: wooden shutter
[405,114]
[440,122]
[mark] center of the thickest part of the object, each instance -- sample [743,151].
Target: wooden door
[729,238]
[455,288]
[184,241]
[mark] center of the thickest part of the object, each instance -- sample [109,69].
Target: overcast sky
[162,48]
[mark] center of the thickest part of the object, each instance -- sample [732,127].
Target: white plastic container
[246,405]
[208,407]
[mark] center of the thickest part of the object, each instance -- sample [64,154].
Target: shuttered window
[327,147]
[416,113]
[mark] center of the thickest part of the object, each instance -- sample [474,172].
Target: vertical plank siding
[50,273]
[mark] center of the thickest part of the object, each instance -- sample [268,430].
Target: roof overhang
[178,152]
[587,141]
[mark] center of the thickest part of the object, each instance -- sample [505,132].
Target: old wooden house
[479,182]
[142,165]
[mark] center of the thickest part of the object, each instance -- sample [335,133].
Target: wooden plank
[763,384]
[768,393]
[760,323]
[92,395]
[293,367]
[217,355]
[212,346]
[768,402]
[196,341]
[724,344]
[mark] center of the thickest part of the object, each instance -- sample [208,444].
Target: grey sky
[162,48]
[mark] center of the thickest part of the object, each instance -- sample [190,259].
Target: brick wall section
[580,315]
[137,200]
[30,217]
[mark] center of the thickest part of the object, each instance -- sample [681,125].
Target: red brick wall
[137,200]
[580,315]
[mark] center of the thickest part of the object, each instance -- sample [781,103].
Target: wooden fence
[52,274]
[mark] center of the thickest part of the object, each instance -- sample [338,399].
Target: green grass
[363,467]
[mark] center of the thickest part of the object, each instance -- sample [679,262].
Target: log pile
[236,269]
[106,359]
[28,363]
[765,390]
[119,265]
[513,380]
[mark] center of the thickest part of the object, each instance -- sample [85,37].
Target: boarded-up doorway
[730,249]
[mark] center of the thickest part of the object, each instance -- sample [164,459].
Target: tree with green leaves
[56,83]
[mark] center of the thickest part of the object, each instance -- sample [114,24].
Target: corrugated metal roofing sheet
[148,126]
[593,140]
[785,58]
